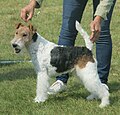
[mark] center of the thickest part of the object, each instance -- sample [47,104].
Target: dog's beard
[22,54]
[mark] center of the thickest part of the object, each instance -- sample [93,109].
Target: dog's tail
[84,34]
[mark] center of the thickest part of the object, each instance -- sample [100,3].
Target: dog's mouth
[17,50]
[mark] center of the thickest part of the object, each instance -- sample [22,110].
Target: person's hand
[28,11]
[95,27]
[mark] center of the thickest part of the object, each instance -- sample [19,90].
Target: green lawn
[18,81]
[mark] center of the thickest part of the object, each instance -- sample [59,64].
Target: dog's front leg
[42,86]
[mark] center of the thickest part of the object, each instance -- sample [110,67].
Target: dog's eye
[16,32]
[24,35]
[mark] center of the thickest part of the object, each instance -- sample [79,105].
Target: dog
[50,59]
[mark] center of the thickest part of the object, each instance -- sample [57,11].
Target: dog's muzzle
[16,47]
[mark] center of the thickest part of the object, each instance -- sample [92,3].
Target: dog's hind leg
[42,86]
[104,96]
[89,77]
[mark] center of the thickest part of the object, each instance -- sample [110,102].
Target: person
[100,28]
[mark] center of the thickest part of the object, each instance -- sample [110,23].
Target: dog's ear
[32,28]
[18,25]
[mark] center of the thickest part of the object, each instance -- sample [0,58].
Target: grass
[18,81]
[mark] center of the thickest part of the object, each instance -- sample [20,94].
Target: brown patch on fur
[32,28]
[82,61]
[24,33]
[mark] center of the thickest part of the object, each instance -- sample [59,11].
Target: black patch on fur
[64,58]
[35,37]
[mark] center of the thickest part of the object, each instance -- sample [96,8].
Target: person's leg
[72,11]
[104,46]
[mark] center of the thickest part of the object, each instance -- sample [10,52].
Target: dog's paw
[102,105]
[39,99]
[105,102]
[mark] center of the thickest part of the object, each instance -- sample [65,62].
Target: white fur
[90,79]
[40,54]
[84,34]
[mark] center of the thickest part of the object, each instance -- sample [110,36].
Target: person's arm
[28,11]
[101,13]
[103,8]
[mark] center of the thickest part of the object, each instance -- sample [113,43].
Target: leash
[5,62]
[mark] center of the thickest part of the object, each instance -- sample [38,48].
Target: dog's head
[23,36]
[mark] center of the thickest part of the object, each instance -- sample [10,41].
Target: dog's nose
[14,45]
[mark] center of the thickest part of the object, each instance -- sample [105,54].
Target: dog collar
[35,37]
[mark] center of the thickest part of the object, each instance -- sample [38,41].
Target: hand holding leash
[28,11]
[95,28]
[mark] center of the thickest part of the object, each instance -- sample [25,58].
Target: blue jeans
[72,11]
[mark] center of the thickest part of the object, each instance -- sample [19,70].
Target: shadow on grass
[114,88]
[18,73]
[78,91]
[75,91]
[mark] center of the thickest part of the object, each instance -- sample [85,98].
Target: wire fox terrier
[50,59]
